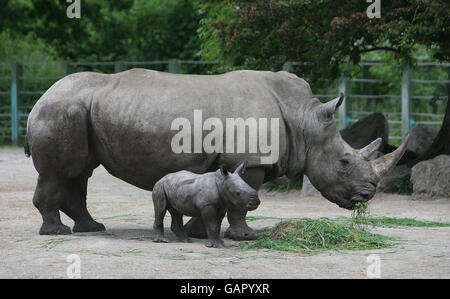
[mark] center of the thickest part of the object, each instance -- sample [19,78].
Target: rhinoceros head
[236,191]
[342,174]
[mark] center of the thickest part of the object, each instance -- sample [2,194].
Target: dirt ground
[126,249]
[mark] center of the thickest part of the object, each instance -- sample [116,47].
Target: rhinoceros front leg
[238,230]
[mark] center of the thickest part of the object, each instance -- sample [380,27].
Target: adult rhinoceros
[123,122]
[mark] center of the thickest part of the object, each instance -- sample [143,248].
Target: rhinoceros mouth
[362,192]
[251,207]
[347,204]
[350,203]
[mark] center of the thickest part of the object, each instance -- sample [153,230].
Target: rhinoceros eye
[238,193]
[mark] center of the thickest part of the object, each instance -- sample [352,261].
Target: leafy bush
[293,184]
[402,186]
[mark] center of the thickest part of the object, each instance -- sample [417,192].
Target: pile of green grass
[373,221]
[311,236]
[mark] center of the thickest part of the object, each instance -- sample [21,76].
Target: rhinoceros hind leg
[46,200]
[54,229]
[177,225]
[74,205]
[53,195]
[195,228]
[58,140]
[88,226]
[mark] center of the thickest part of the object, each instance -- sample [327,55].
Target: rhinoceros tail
[26,147]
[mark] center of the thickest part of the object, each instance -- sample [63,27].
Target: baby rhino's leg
[212,220]
[160,205]
[177,224]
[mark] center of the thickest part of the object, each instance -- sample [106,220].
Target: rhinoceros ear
[327,110]
[223,170]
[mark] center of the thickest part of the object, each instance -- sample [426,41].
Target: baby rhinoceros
[206,195]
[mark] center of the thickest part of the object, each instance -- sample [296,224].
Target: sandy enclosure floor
[126,249]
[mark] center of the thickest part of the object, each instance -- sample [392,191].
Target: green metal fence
[21,85]
[407,106]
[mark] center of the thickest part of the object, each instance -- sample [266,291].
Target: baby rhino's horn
[241,168]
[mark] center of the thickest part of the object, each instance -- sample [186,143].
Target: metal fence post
[368,90]
[174,66]
[66,68]
[344,87]
[406,101]
[16,87]
[119,66]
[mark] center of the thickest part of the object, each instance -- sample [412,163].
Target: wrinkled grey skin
[207,196]
[122,121]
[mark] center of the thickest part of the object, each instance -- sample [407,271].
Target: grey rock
[388,183]
[431,178]
[367,129]
[421,138]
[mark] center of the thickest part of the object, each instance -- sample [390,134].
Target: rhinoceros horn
[370,149]
[241,168]
[386,163]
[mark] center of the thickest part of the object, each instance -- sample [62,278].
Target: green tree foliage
[24,49]
[211,49]
[326,34]
[108,30]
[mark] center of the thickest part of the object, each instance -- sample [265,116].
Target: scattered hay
[383,221]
